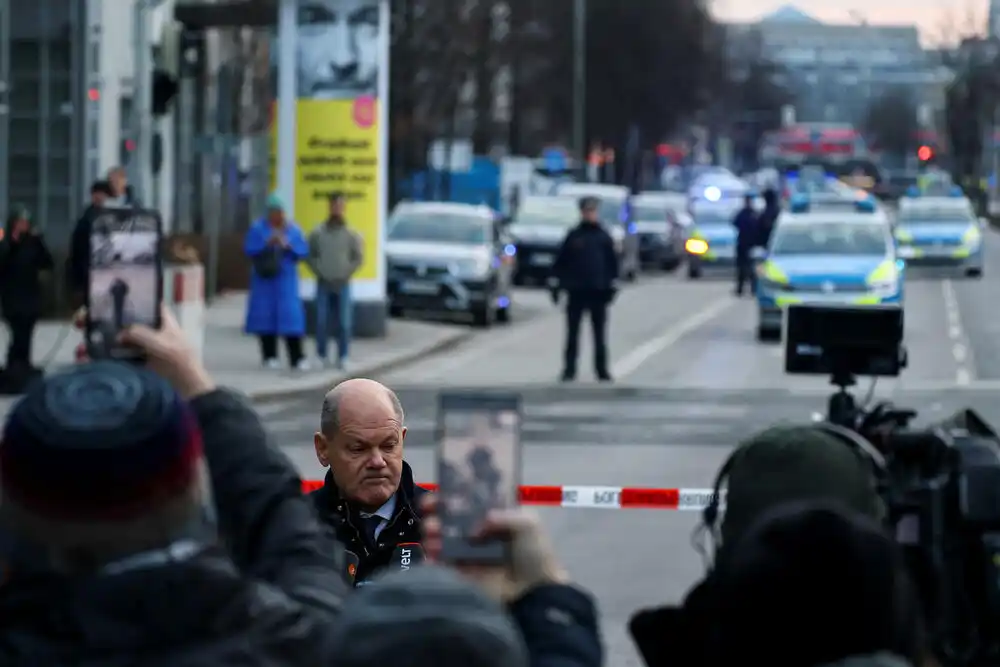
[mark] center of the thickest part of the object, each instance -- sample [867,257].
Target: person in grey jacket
[336,252]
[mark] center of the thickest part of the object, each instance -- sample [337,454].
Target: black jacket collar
[328,496]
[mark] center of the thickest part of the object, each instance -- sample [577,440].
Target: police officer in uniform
[586,268]
[119,293]
[747,236]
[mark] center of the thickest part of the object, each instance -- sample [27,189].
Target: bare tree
[891,123]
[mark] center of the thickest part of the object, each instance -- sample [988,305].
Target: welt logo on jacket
[345,519]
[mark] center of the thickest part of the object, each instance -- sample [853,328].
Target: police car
[940,232]
[827,258]
[711,243]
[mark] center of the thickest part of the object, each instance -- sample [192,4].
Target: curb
[324,383]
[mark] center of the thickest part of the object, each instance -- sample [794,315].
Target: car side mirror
[984,223]
[759,254]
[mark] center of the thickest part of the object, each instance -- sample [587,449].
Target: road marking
[640,355]
[960,351]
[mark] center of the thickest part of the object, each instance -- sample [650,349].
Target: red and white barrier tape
[599,497]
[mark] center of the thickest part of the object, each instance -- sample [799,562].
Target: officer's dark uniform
[769,218]
[373,554]
[586,268]
[119,292]
[747,236]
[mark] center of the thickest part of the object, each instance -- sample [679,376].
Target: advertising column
[342,91]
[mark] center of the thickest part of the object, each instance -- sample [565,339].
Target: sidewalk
[233,358]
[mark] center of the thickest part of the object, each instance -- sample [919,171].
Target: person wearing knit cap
[123,484]
[779,465]
[805,569]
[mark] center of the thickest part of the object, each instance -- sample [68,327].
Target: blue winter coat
[274,306]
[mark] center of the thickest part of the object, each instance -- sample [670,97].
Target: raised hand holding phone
[479,471]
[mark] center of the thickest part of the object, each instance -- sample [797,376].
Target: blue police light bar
[913,191]
[799,203]
[956,191]
[865,205]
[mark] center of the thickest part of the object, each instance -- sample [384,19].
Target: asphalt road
[691,382]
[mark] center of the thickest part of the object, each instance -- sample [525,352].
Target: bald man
[368,496]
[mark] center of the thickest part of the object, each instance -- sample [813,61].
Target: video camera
[941,483]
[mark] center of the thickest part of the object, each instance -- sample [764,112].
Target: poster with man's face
[338,49]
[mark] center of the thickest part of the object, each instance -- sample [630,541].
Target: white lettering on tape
[694,499]
[607,498]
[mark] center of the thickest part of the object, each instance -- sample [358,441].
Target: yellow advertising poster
[337,151]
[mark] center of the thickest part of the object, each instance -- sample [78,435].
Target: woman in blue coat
[276,245]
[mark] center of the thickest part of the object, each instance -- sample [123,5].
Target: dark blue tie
[369,525]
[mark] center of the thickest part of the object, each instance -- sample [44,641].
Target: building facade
[66,84]
[836,70]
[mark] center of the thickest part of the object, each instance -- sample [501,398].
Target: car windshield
[714,218]
[439,227]
[649,212]
[830,239]
[935,215]
[552,212]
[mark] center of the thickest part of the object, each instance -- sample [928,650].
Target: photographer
[777,466]
[525,613]
[814,583]
[127,482]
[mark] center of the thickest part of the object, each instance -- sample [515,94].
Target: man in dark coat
[369,496]
[586,268]
[140,485]
[747,235]
[119,293]
[779,465]
[769,217]
[79,254]
[23,258]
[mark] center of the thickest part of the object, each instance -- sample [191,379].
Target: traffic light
[925,153]
[164,91]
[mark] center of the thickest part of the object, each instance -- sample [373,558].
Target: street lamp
[579,77]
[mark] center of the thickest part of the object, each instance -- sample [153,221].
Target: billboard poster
[341,54]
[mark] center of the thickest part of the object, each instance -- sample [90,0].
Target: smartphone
[479,469]
[125,279]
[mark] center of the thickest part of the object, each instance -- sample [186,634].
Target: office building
[835,70]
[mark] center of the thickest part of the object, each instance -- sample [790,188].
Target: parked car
[660,222]
[449,258]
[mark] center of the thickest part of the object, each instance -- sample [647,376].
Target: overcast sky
[931,16]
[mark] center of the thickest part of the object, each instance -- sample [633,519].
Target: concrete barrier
[184,293]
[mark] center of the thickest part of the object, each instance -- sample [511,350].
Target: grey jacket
[335,254]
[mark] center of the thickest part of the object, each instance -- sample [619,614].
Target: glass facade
[42,112]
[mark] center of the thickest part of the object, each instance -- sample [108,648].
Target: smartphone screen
[479,469]
[125,284]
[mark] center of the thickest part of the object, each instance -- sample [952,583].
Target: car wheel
[482,316]
[395,311]
[669,265]
[503,315]
[694,271]
[767,334]
[519,279]
[974,273]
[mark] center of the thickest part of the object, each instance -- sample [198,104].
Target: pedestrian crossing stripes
[605,416]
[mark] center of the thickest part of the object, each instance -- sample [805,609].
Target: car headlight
[471,268]
[769,285]
[971,237]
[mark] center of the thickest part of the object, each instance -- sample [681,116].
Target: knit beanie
[791,463]
[104,442]
[818,572]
